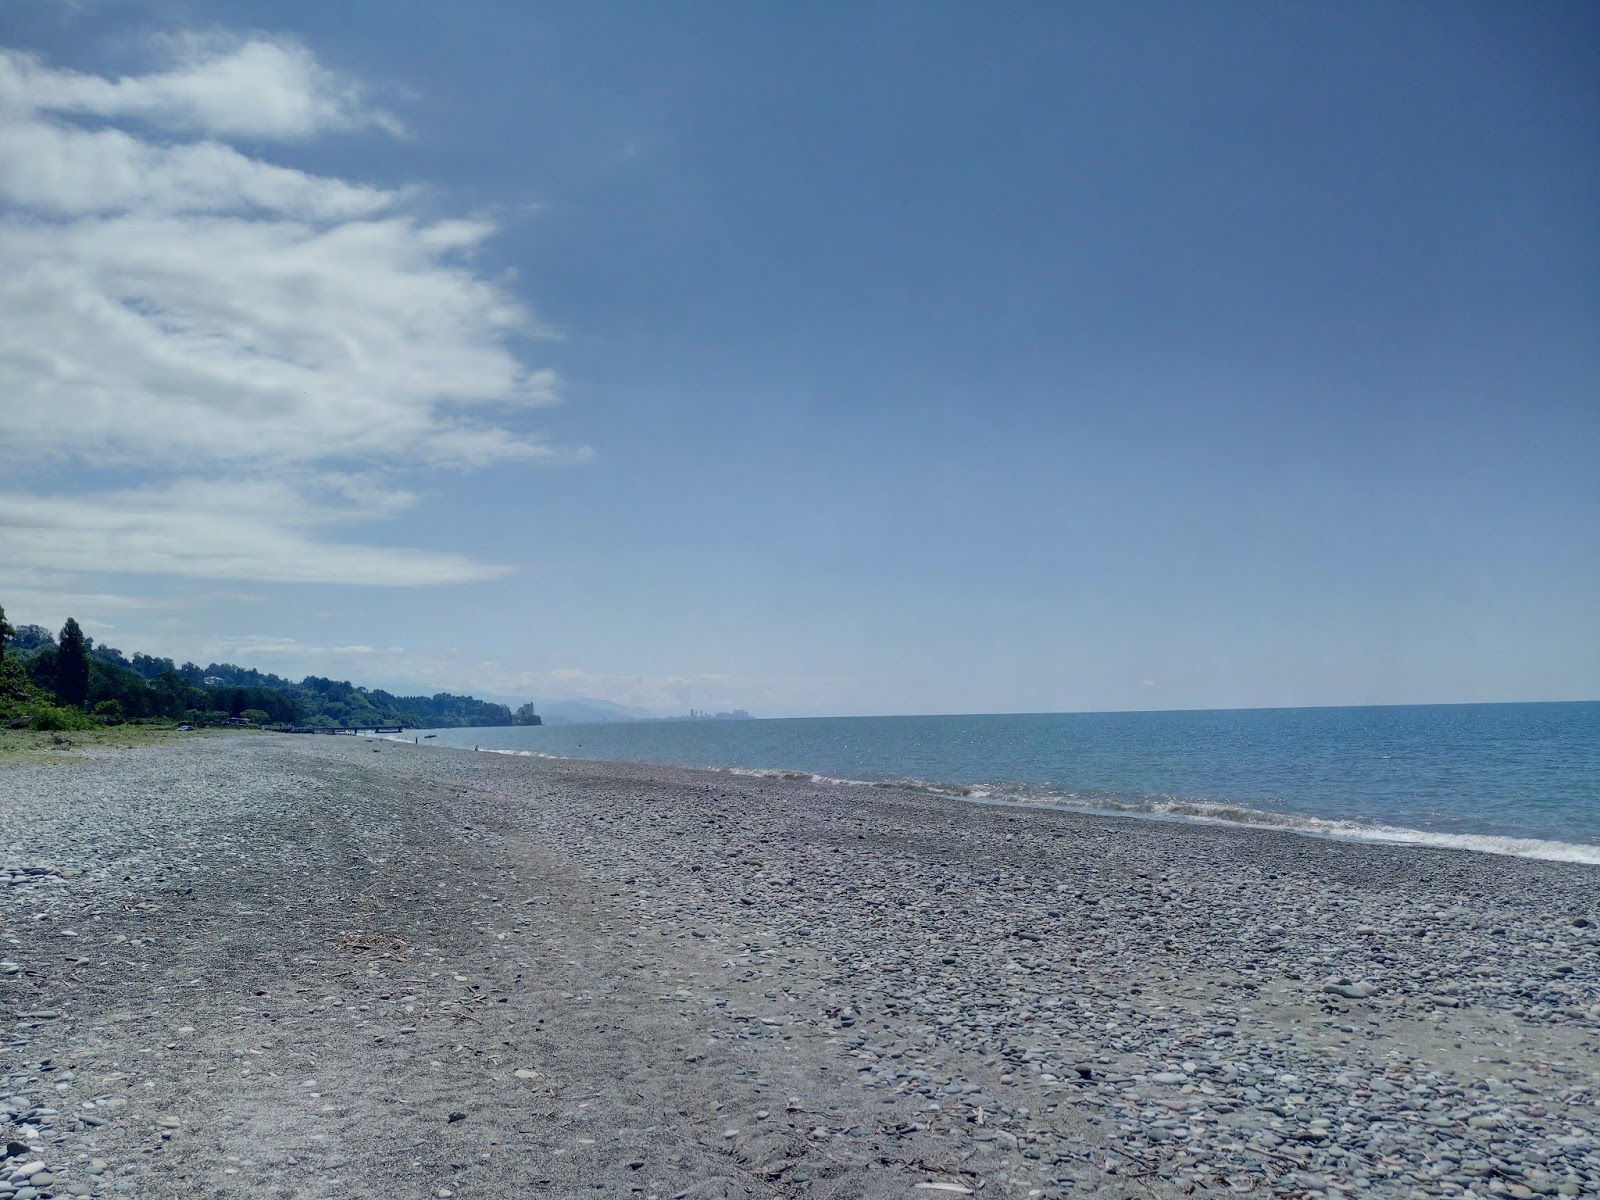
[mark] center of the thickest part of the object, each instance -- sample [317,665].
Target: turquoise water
[1507,778]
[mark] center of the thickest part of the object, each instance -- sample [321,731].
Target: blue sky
[812,359]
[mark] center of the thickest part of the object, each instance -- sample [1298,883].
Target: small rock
[1350,991]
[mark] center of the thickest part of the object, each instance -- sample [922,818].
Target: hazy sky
[811,358]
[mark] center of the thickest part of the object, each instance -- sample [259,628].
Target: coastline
[1176,809]
[1517,779]
[758,985]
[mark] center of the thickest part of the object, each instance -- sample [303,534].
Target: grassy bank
[35,745]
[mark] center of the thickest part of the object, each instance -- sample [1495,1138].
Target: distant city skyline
[901,359]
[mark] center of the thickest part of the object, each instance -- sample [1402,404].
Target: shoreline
[1179,810]
[284,967]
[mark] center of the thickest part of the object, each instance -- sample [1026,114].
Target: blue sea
[1520,779]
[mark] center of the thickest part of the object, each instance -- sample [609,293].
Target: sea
[1515,779]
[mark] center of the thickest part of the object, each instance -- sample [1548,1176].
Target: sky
[811,359]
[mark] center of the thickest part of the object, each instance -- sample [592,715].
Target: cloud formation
[217,83]
[215,530]
[187,312]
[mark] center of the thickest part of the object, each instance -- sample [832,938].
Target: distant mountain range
[589,712]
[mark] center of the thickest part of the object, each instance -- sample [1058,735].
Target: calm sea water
[1506,778]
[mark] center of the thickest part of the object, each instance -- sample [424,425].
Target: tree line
[68,681]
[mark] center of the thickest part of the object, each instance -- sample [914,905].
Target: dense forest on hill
[70,681]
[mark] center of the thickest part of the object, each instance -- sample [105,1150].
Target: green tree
[6,630]
[72,666]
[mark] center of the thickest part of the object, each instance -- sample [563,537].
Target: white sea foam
[1211,812]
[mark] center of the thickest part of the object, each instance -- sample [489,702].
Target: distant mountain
[580,711]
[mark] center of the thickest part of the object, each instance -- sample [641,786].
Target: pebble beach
[271,966]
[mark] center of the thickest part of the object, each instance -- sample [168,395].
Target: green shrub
[50,717]
[109,711]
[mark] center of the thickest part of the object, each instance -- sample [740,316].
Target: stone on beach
[728,980]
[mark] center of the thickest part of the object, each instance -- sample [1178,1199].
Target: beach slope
[266,966]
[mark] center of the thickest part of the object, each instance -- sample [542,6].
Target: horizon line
[1102,712]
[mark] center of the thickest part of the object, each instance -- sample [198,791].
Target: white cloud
[65,170]
[233,86]
[251,645]
[210,530]
[58,604]
[187,312]
[154,338]
[48,598]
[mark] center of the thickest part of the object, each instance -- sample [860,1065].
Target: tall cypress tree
[6,630]
[72,666]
